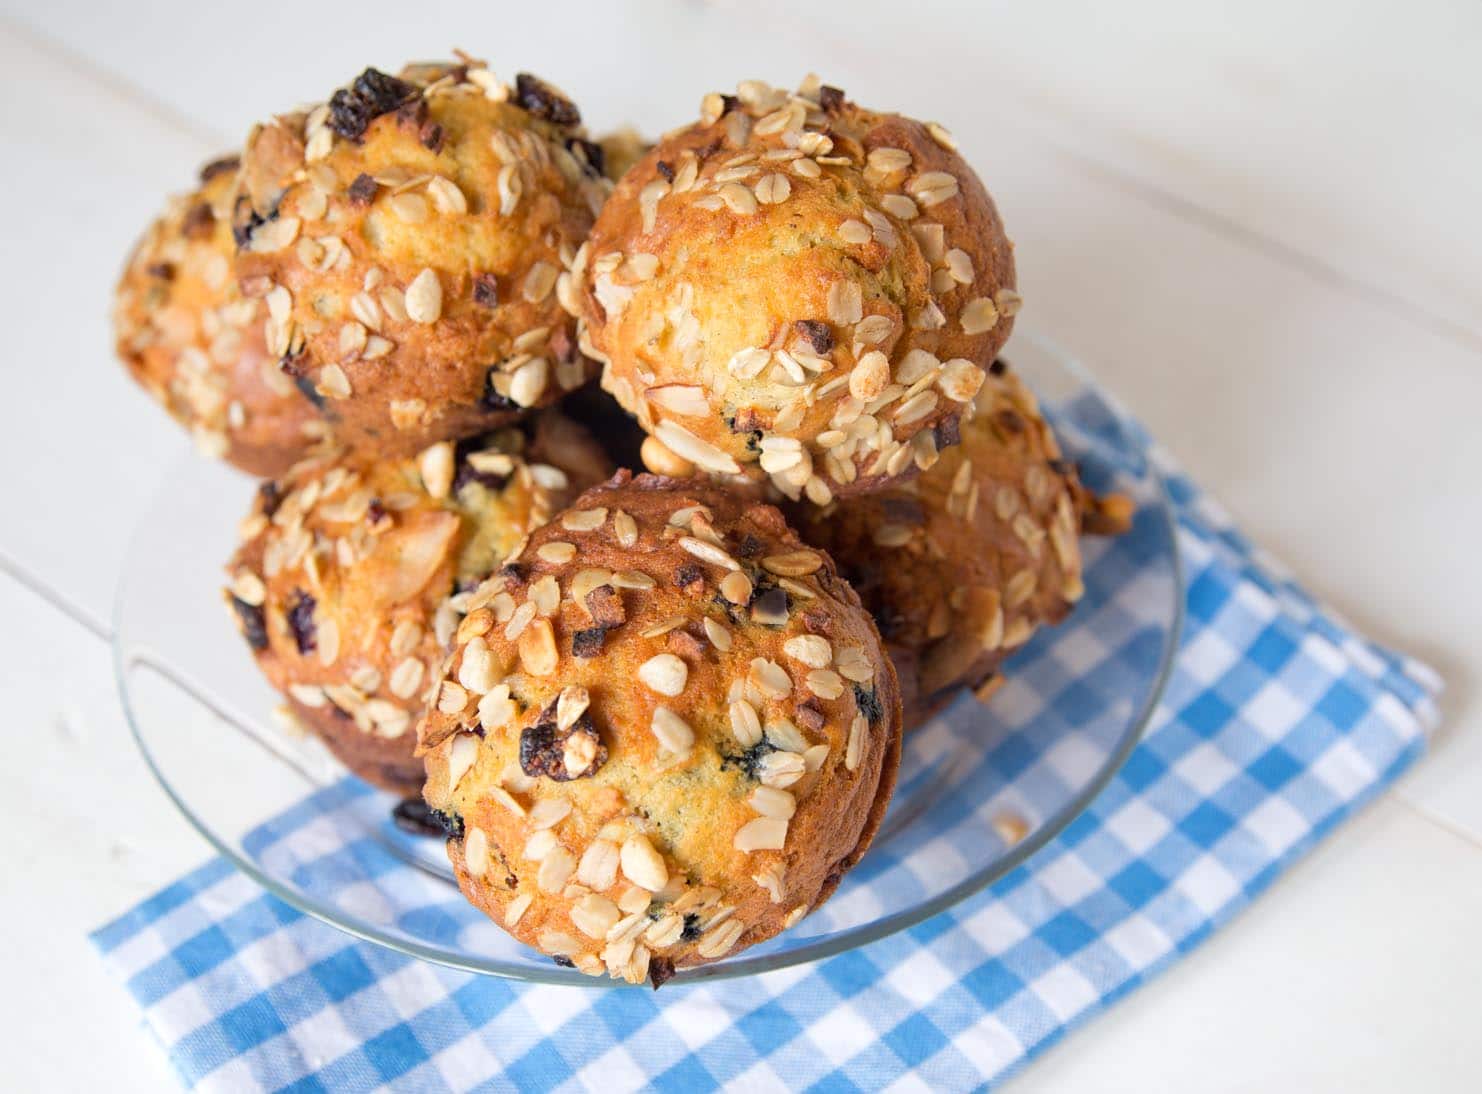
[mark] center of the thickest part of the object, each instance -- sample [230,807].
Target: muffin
[961,565]
[621,149]
[190,339]
[409,238]
[666,730]
[797,286]
[344,585]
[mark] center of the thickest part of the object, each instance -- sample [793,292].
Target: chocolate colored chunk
[691,928]
[869,704]
[810,715]
[665,169]
[948,432]
[269,497]
[543,748]
[606,607]
[688,574]
[431,137]
[254,626]
[830,98]
[750,546]
[660,971]
[819,334]
[587,643]
[770,606]
[301,621]
[486,290]
[998,367]
[684,644]
[363,190]
[544,101]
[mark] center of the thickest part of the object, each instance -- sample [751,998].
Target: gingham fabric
[1277,723]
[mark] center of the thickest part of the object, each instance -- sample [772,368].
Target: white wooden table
[1260,227]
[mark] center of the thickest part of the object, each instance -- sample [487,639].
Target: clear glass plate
[981,787]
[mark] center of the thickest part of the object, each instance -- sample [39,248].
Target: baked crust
[665,731]
[797,284]
[351,575]
[962,565]
[408,238]
[190,339]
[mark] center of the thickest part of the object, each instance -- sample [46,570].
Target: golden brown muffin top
[346,581]
[666,729]
[961,565]
[192,341]
[799,283]
[409,236]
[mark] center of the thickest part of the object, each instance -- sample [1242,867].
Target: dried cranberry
[543,748]
[254,626]
[589,153]
[417,818]
[301,621]
[748,761]
[269,497]
[486,290]
[245,221]
[544,101]
[868,703]
[770,606]
[363,190]
[660,971]
[372,94]
[818,334]
[491,399]
[948,432]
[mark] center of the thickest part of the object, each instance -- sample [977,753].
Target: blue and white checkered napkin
[1277,723]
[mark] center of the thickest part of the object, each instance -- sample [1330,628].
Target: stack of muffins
[657,712]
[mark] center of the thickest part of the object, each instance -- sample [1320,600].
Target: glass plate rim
[829,946]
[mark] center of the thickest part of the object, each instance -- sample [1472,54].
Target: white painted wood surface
[1257,222]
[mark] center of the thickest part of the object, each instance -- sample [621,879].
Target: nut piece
[642,865]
